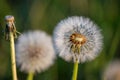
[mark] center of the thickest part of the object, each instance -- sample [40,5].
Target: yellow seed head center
[77,40]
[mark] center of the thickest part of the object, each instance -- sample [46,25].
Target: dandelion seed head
[34,51]
[77,38]
[112,71]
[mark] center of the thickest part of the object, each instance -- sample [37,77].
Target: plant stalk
[75,71]
[13,61]
[30,76]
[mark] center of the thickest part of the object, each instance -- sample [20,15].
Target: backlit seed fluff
[34,51]
[77,39]
[112,71]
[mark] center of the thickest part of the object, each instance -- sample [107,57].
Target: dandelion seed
[35,52]
[77,38]
[112,72]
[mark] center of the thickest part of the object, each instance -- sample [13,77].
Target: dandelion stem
[13,62]
[30,76]
[75,71]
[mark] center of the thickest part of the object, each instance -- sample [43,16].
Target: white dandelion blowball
[112,71]
[77,38]
[34,51]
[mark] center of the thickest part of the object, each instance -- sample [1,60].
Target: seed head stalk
[75,71]
[30,76]
[13,61]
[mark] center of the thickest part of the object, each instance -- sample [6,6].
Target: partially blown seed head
[77,38]
[34,51]
[9,18]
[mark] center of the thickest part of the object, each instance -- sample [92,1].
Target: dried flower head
[9,18]
[77,38]
[112,72]
[34,51]
[10,26]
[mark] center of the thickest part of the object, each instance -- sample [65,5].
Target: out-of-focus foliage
[44,15]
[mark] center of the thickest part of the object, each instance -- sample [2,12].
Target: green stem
[30,76]
[75,71]
[13,62]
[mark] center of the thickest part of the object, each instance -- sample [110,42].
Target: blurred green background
[44,15]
